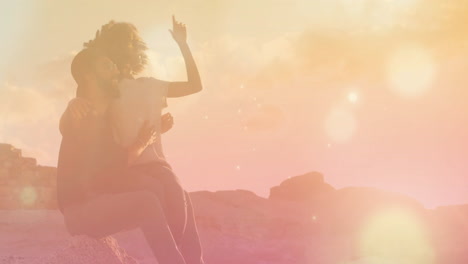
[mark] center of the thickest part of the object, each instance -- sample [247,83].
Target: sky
[369,93]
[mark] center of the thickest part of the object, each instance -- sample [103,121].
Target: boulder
[86,250]
[11,259]
[304,188]
[7,151]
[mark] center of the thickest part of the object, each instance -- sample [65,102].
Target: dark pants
[154,201]
[161,180]
[177,206]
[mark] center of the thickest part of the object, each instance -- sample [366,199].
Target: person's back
[70,176]
[88,157]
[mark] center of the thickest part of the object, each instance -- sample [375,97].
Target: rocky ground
[304,220]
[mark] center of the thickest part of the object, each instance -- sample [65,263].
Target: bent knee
[146,200]
[149,183]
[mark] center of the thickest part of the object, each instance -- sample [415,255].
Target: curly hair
[112,39]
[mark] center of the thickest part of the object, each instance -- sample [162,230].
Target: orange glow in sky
[370,93]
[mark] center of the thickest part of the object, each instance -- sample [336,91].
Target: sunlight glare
[396,236]
[353,97]
[28,195]
[411,71]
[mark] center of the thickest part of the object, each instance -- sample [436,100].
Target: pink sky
[278,79]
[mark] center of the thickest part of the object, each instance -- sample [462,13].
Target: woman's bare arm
[193,85]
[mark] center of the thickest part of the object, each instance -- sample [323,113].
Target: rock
[11,260]
[303,188]
[29,162]
[86,250]
[25,185]
[8,151]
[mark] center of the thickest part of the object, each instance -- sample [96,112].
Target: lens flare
[340,125]
[396,236]
[353,97]
[28,195]
[411,71]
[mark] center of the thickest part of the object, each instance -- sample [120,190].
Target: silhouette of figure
[133,109]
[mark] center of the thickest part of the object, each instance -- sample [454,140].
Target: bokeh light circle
[28,195]
[410,71]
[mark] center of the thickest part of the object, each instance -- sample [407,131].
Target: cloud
[23,105]
[31,102]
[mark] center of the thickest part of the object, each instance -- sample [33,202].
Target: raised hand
[178,32]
